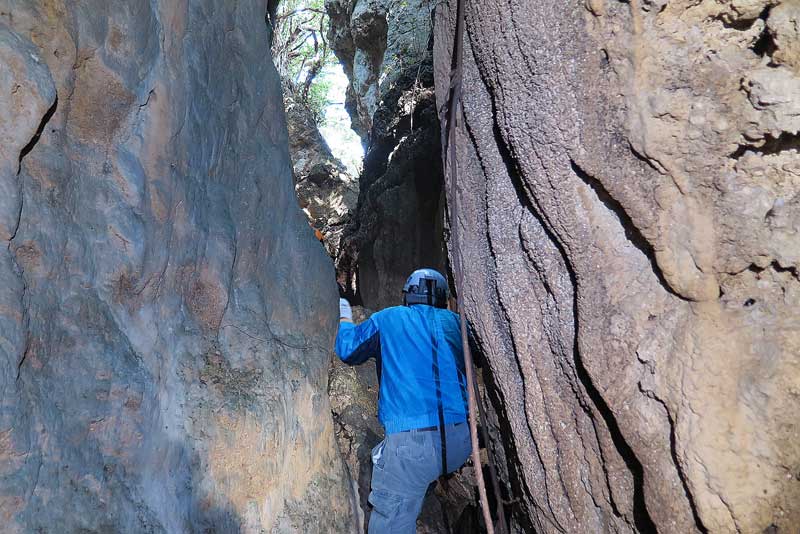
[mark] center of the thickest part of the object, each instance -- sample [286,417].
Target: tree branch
[297,11]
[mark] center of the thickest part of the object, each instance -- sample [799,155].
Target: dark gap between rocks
[786,141]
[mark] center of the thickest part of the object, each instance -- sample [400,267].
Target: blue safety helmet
[426,286]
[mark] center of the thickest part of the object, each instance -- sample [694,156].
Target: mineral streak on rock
[164,307]
[629,196]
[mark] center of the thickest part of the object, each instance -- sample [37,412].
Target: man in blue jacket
[422,400]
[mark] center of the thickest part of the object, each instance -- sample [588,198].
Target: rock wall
[629,195]
[165,311]
[398,224]
[376,41]
[326,191]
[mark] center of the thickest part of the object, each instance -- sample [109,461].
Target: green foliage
[301,52]
[318,97]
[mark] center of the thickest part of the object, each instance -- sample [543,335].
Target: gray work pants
[407,462]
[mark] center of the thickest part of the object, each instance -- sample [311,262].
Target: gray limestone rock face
[384,47]
[628,201]
[376,41]
[166,314]
[326,191]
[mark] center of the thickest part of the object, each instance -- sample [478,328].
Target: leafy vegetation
[301,53]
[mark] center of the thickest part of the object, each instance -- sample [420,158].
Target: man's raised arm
[356,344]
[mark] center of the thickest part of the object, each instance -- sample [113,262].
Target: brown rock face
[165,312]
[629,195]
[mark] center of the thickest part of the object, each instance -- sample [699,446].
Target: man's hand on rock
[345,312]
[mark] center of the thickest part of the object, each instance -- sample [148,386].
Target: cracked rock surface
[629,194]
[165,311]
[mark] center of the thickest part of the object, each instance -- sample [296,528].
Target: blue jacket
[407,342]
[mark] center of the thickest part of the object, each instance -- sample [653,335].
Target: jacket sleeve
[357,344]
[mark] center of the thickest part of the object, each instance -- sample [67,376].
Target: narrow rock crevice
[641,517]
[515,483]
[777,267]
[545,490]
[675,460]
[19,268]
[35,139]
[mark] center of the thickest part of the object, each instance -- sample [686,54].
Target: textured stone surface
[377,41]
[326,191]
[629,190]
[165,312]
[384,47]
